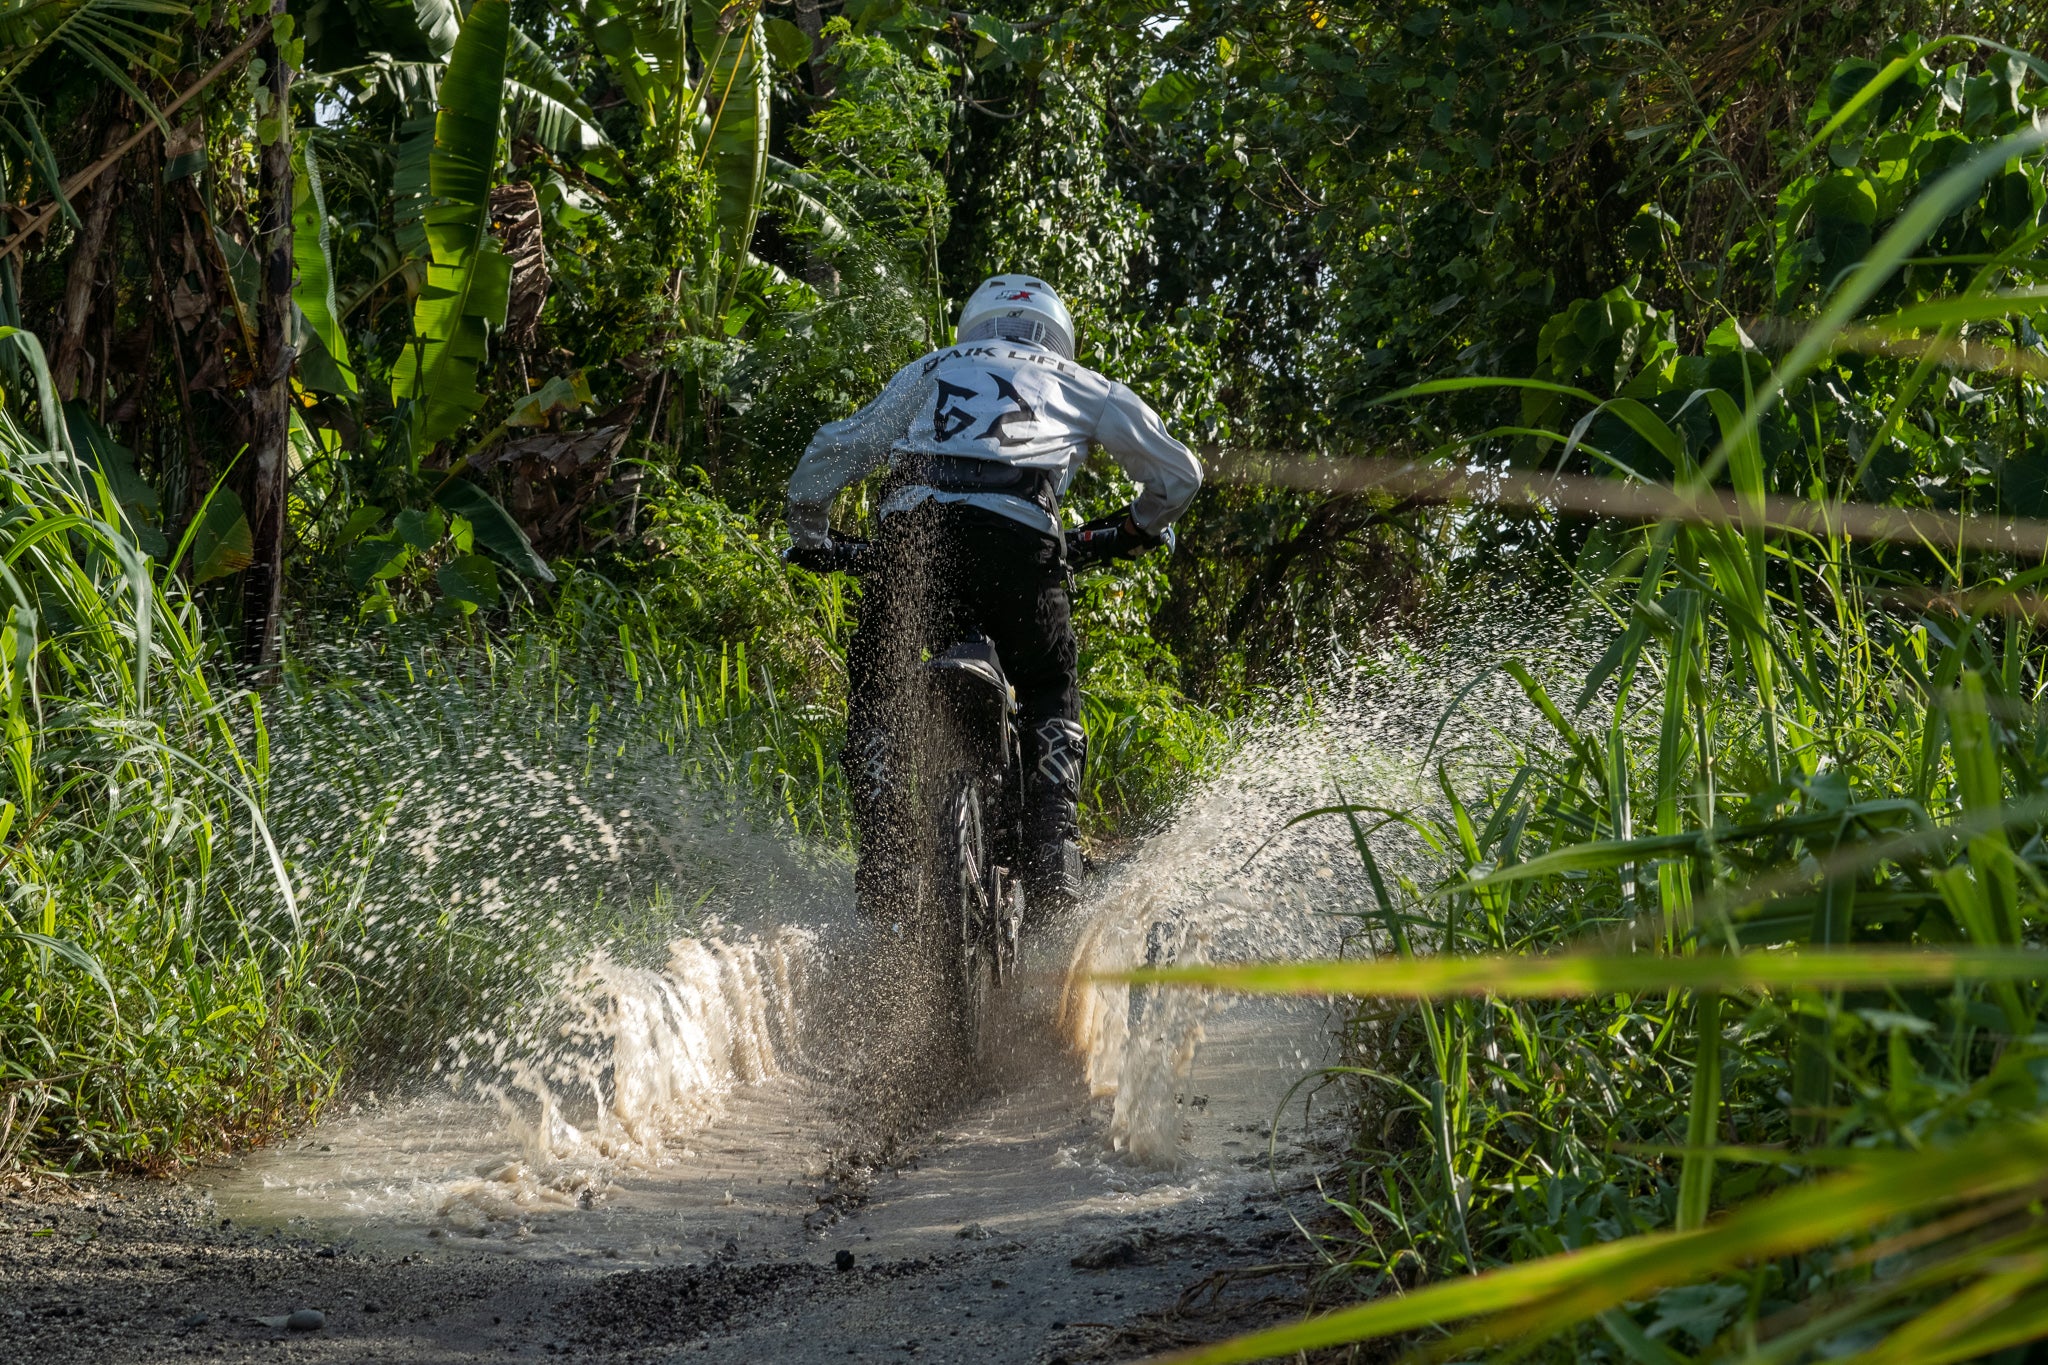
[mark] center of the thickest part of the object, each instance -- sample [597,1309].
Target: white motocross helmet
[1018,308]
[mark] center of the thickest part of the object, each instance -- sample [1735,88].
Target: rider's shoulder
[1012,355]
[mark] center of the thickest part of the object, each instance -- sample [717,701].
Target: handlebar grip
[1115,536]
[839,556]
[1092,545]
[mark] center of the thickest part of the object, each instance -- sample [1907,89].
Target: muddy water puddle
[765,1178]
[702,1110]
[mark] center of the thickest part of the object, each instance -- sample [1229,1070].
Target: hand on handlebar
[1116,536]
[837,555]
[1106,538]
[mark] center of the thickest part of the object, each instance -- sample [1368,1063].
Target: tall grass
[216,900]
[142,1013]
[1723,1032]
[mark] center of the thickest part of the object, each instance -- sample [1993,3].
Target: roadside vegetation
[397,401]
[1717,1034]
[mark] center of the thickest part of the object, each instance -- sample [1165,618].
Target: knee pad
[1061,748]
[870,768]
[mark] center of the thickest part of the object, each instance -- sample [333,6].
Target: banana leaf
[468,278]
[409,195]
[643,42]
[562,121]
[440,23]
[323,361]
[494,528]
[735,94]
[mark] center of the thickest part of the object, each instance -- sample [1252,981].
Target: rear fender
[968,681]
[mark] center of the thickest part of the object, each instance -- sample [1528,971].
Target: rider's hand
[815,557]
[1116,536]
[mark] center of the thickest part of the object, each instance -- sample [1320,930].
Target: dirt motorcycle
[968,911]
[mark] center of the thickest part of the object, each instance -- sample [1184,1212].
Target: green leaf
[221,542]
[1696,1176]
[494,528]
[643,40]
[372,560]
[1534,1300]
[789,45]
[1844,214]
[1920,220]
[135,500]
[420,528]
[735,92]
[1981,784]
[409,193]
[323,361]
[1537,694]
[42,157]
[999,36]
[359,523]
[1168,97]
[440,24]
[1460,385]
[562,121]
[801,196]
[1966,308]
[243,273]
[561,393]
[468,277]
[470,581]
[76,956]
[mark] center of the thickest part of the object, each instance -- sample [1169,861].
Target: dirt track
[1007,1231]
[1024,1222]
[135,1271]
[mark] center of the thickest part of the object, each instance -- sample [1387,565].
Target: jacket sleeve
[845,451]
[1135,437]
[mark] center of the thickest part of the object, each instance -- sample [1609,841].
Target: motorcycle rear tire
[976,908]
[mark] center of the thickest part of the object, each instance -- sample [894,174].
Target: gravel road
[141,1271]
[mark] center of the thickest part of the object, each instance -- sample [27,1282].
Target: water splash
[642,1056]
[1234,878]
[645,966]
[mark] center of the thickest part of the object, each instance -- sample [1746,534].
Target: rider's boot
[1052,828]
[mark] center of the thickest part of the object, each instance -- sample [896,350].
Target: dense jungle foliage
[397,402]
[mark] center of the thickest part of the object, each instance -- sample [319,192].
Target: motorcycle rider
[982,438]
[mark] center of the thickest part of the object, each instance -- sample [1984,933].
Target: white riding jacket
[1013,402]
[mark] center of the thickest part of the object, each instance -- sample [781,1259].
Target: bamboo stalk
[1584,495]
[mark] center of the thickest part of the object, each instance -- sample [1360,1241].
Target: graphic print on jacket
[960,408]
[1004,401]
[1013,403]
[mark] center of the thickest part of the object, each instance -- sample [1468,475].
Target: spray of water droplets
[551,916]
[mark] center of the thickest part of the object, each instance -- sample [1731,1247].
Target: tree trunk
[812,23]
[85,272]
[270,390]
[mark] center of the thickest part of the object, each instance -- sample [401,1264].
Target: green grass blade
[1535,1299]
[1599,974]
[1696,1177]
[1460,385]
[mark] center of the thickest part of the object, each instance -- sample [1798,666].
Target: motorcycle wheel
[976,909]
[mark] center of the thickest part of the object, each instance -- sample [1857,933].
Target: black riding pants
[947,571]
